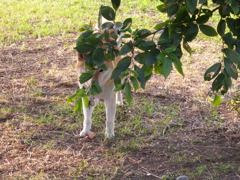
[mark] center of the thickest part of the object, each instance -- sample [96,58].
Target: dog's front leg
[110,104]
[87,123]
[119,98]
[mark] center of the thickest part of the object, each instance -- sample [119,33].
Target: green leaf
[221,27]
[218,82]
[84,48]
[141,77]
[126,36]
[208,30]
[134,83]
[225,10]
[83,36]
[232,55]
[98,57]
[231,25]
[203,19]
[79,93]
[227,80]
[107,12]
[172,10]
[86,76]
[89,62]
[104,67]
[78,105]
[191,32]
[93,41]
[141,58]
[162,8]
[203,2]
[126,48]
[229,40]
[151,57]
[212,72]
[124,73]
[227,1]
[191,5]
[85,101]
[148,70]
[177,63]
[143,33]
[230,69]
[127,23]
[122,65]
[95,88]
[167,67]
[116,4]
[235,6]
[161,25]
[182,15]
[217,100]
[170,49]
[158,69]
[119,87]
[160,58]
[146,45]
[187,47]
[107,25]
[128,93]
[106,35]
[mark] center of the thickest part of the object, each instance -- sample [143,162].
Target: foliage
[160,51]
[234,103]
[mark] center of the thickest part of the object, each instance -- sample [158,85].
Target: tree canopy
[162,49]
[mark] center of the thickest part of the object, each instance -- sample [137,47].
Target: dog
[110,97]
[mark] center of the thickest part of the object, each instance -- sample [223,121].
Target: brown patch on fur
[110,64]
[80,62]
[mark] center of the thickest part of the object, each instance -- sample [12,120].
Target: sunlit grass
[37,18]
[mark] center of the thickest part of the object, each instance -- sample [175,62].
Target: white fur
[110,98]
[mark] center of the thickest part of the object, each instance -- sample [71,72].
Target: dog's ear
[81,57]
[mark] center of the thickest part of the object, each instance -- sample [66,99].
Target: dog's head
[101,76]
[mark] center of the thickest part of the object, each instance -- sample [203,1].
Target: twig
[144,169]
[215,9]
[165,128]
[148,173]
[155,32]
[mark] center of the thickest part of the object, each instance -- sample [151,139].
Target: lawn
[171,128]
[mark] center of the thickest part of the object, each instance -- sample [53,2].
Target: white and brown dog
[110,97]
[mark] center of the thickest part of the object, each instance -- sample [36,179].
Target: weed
[201,170]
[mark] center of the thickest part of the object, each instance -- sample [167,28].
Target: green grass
[23,19]
[50,123]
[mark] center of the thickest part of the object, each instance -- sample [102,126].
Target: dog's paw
[120,103]
[109,134]
[84,133]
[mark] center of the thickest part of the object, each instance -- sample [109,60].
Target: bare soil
[36,75]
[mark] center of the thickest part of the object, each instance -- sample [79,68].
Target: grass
[38,18]
[39,130]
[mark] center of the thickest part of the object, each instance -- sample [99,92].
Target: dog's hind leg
[87,123]
[119,98]
[110,104]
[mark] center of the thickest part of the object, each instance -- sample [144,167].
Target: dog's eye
[100,70]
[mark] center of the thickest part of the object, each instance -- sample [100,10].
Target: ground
[171,128]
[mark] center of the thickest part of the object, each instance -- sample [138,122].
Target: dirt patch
[36,76]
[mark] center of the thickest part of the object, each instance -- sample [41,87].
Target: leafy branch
[186,18]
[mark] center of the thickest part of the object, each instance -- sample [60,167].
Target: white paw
[109,134]
[84,133]
[120,103]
